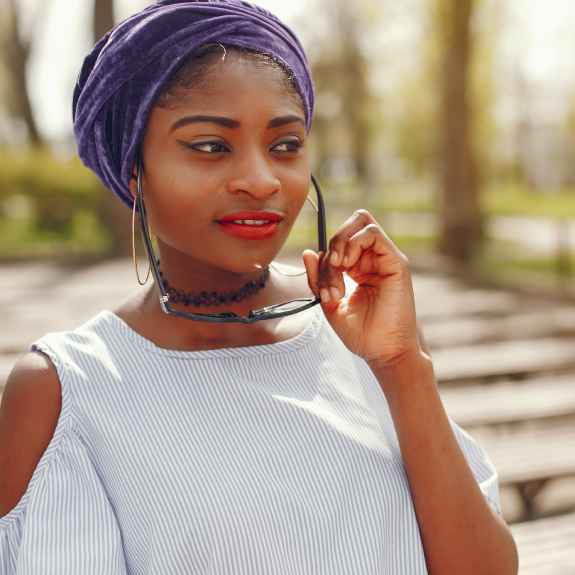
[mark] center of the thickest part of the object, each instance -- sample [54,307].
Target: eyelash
[217,144]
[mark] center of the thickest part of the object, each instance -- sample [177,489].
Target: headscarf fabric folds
[127,70]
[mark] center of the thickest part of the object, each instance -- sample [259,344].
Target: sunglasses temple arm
[321,227]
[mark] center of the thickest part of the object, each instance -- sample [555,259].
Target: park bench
[69,297]
[504,359]
[529,457]
[510,401]
[524,427]
[468,330]
[546,546]
[457,302]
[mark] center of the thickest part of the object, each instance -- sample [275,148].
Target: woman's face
[227,169]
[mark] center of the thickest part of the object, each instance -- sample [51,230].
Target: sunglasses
[270,312]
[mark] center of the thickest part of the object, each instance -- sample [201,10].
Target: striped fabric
[277,459]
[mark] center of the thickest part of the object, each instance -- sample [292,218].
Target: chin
[249,265]
[242,260]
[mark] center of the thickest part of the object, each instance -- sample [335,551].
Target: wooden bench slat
[454,331]
[510,401]
[543,530]
[503,358]
[546,546]
[464,302]
[530,455]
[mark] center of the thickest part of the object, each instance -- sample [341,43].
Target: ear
[134,182]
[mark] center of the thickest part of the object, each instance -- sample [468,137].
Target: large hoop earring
[134,246]
[286,274]
[313,204]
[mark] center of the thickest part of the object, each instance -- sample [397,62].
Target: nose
[254,175]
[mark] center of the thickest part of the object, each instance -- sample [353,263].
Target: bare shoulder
[29,412]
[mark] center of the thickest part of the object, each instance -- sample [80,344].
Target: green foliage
[48,206]
[348,114]
[56,187]
[516,199]
[547,266]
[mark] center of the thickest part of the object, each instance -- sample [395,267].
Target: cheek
[296,180]
[301,187]
[176,207]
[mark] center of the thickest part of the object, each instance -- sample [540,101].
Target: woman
[313,443]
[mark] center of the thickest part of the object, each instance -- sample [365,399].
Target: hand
[377,321]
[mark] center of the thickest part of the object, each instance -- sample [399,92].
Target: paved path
[39,298]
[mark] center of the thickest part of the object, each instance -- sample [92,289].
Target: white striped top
[276,459]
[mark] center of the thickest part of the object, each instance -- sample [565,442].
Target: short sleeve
[482,468]
[65,524]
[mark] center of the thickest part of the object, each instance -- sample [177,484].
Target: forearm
[461,532]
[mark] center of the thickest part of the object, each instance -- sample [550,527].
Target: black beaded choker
[213,298]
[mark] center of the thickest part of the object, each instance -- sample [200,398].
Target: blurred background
[452,121]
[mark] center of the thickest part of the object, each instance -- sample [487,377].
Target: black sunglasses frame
[226,316]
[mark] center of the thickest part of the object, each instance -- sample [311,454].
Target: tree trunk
[115,216]
[461,216]
[16,51]
[343,69]
[103,18]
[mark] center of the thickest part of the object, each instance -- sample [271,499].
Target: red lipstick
[250,224]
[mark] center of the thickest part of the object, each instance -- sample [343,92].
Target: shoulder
[34,380]
[29,413]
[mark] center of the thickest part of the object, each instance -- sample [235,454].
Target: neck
[144,314]
[214,299]
[198,287]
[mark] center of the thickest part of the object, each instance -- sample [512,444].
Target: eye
[289,146]
[209,147]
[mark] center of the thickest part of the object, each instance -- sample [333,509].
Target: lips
[250,224]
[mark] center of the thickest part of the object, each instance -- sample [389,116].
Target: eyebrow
[220,120]
[283,120]
[231,124]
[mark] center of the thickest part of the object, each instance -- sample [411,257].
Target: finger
[331,284]
[359,220]
[373,238]
[311,262]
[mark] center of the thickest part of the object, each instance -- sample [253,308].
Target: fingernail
[335,293]
[334,257]
[345,260]
[324,294]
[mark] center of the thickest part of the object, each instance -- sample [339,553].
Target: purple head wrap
[126,71]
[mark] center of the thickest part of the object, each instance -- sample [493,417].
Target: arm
[29,413]
[460,531]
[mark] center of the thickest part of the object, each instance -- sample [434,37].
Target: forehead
[238,81]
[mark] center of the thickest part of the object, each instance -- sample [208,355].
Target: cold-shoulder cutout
[63,522]
[29,413]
